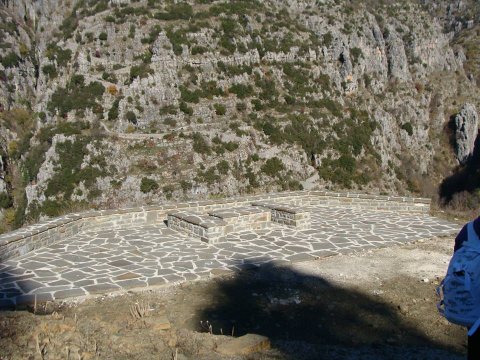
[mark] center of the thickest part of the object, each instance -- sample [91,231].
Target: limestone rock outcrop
[466,131]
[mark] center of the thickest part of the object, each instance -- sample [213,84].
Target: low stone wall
[26,239]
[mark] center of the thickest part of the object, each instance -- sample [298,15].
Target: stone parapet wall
[26,239]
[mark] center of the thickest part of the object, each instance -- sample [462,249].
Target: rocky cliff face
[466,131]
[124,103]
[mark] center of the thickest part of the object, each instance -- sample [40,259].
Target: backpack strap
[473,240]
[474,327]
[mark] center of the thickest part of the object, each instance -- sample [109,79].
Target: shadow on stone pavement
[307,317]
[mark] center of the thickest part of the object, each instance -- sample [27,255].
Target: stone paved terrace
[103,260]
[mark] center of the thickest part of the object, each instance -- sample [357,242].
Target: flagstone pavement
[138,257]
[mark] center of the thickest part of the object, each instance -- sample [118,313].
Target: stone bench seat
[236,212]
[202,220]
[287,215]
[213,228]
[243,218]
[208,228]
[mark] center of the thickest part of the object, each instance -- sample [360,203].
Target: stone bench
[213,228]
[209,229]
[243,218]
[287,215]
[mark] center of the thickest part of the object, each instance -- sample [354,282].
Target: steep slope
[111,103]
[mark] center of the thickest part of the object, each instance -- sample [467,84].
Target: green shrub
[269,91]
[113,112]
[210,89]
[290,100]
[223,167]
[324,81]
[232,70]
[103,36]
[200,145]
[241,106]
[347,162]
[408,128]
[241,90]
[49,70]
[185,185]
[10,60]
[209,176]
[230,146]
[76,96]
[179,11]
[333,106]
[6,200]
[252,178]
[69,25]
[62,57]
[170,122]
[229,26]
[109,77]
[131,117]
[177,39]
[141,71]
[34,160]
[327,39]
[236,8]
[188,95]
[356,53]
[153,35]
[21,203]
[257,105]
[227,43]
[69,171]
[255,157]
[116,184]
[42,116]
[220,109]
[273,167]
[131,32]
[168,191]
[292,185]
[196,50]
[185,108]
[147,185]
[168,110]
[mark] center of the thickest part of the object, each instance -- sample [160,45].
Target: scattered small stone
[425,280]
[403,309]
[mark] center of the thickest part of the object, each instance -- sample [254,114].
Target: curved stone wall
[26,239]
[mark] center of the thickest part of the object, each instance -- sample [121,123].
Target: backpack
[460,290]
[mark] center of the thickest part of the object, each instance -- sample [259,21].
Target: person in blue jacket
[473,342]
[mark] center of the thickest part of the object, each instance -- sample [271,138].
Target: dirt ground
[378,304]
